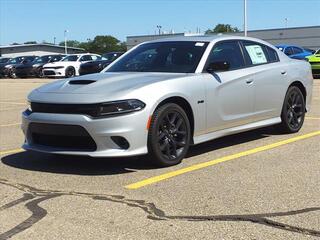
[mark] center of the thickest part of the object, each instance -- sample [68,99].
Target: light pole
[245,23]
[286,22]
[159,29]
[65,41]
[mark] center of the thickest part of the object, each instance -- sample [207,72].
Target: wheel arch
[302,88]
[185,105]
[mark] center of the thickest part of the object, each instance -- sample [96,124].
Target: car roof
[207,38]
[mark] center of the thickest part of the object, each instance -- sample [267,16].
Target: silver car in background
[163,96]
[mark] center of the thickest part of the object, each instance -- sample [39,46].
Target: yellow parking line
[11,151]
[14,103]
[313,118]
[11,124]
[168,175]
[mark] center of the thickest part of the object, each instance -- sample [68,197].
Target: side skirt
[238,129]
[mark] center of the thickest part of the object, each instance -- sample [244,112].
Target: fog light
[121,142]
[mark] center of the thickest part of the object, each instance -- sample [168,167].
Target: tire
[39,73]
[12,73]
[70,72]
[169,135]
[293,111]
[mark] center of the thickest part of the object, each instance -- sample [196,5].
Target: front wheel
[70,72]
[169,135]
[293,111]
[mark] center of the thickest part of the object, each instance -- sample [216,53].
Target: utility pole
[245,23]
[159,29]
[54,40]
[65,41]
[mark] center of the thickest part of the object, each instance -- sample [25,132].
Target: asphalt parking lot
[254,185]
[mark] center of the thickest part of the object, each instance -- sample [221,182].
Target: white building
[35,50]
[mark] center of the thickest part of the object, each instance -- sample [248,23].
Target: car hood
[314,58]
[94,87]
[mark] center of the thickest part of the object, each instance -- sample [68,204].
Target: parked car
[8,69]
[34,68]
[4,60]
[68,66]
[99,64]
[314,60]
[294,51]
[183,91]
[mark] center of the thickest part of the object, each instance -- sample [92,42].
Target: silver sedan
[163,96]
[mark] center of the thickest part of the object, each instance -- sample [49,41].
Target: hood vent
[81,82]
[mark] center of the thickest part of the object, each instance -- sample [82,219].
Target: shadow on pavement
[82,165]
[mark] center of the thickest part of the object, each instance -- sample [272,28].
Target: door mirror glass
[218,66]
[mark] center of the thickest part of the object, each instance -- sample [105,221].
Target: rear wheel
[169,135]
[12,73]
[293,111]
[70,72]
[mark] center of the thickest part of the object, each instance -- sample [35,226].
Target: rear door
[269,79]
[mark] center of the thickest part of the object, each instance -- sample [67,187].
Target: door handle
[283,72]
[250,81]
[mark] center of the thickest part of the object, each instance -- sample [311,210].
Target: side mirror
[218,66]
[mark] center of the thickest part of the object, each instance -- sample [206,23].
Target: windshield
[16,60]
[43,59]
[4,60]
[176,57]
[71,58]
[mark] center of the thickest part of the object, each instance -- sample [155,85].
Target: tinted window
[297,50]
[288,51]
[273,55]
[86,58]
[71,58]
[180,57]
[4,60]
[227,52]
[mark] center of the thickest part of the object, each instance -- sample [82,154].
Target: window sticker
[199,44]
[256,54]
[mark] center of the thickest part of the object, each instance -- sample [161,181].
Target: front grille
[83,109]
[315,71]
[61,137]
[315,63]
[48,72]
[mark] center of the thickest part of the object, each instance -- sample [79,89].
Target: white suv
[68,66]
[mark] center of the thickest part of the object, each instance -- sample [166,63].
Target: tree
[103,44]
[30,42]
[222,28]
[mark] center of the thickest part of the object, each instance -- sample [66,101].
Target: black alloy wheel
[39,73]
[293,111]
[12,73]
[169,135]
[70,72]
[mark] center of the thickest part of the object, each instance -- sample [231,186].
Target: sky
[44,20]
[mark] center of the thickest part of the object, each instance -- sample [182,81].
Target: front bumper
[52,72]
[315,69]
[131,127]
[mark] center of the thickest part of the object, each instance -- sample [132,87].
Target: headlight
[120,107]
[29,108]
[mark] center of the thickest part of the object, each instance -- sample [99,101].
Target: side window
[273,55]
[297,50]
[288,51]
[228,51]
[94,57]
[86,58]
[255,53]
